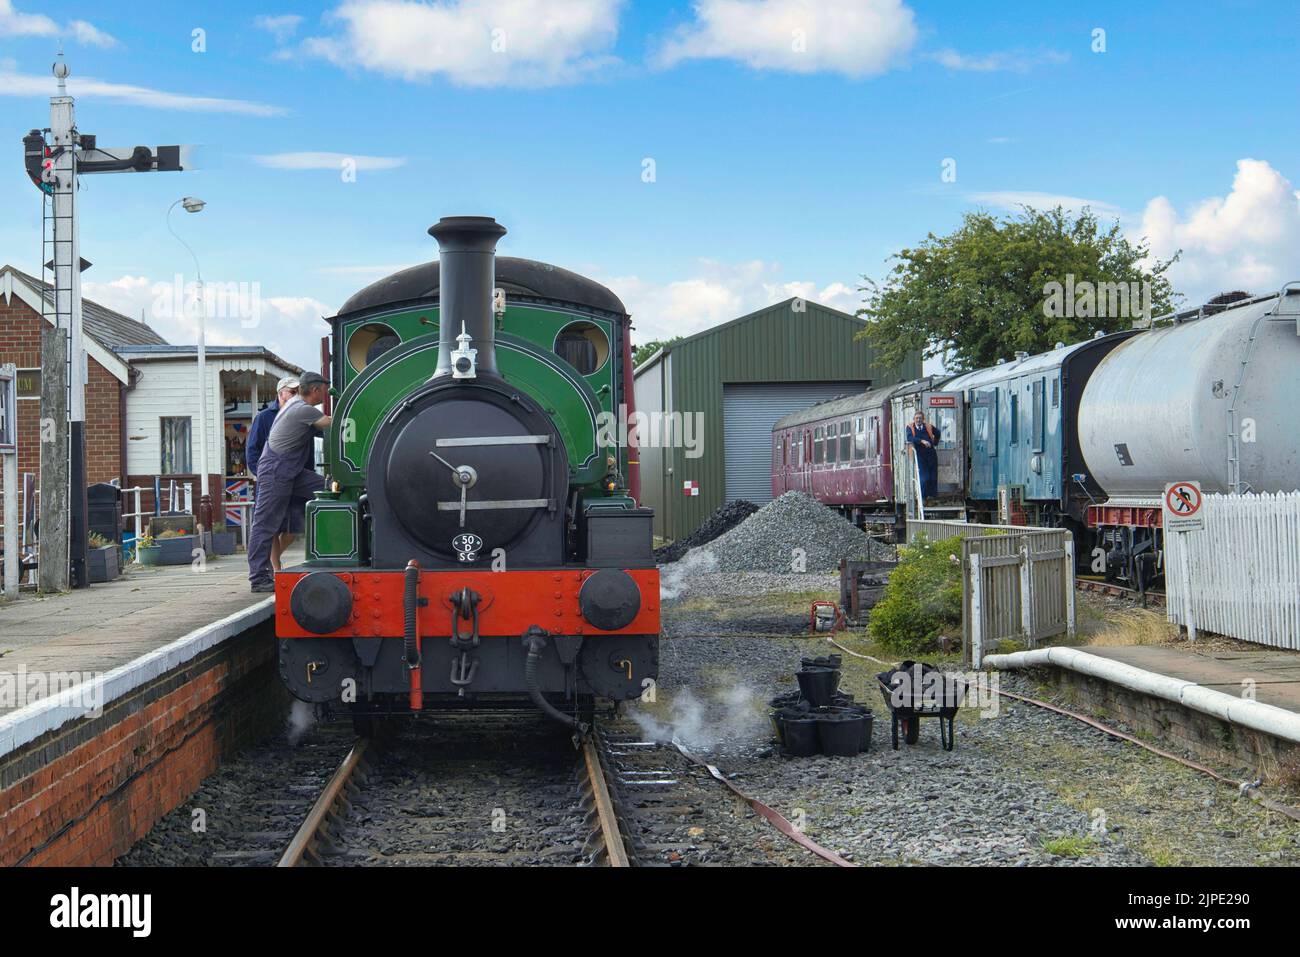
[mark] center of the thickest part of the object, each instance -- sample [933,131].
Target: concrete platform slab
[1276,674]
[107,626]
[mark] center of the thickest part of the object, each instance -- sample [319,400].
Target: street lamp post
[192,205]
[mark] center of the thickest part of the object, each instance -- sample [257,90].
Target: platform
[1276,673]
[1240,706]
[97,629]
[116,701]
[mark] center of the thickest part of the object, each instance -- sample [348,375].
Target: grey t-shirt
[293,428]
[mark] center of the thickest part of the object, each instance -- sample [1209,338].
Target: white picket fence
[1244,569]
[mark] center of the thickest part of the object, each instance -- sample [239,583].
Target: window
[831,444]
[873,437]
[860,437]
[802,439]
[1015,418]
[846,440]
[27,383]
[1056,393]
[1038,412]
[175,445]
[785,453]
[819,447]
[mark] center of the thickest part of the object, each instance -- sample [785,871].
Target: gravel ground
[794,532]
[1023,787]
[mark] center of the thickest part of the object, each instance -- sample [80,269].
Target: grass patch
[1137,626]
[1069,845]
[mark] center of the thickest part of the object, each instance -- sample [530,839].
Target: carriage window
[819,447]
[1056,393]
[1015,418]
[1036,429]
[860,437]
[873,437]
[831,444]
[945,422]
[846,440]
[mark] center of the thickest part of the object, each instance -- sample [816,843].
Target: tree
[641,353]
[1025,282]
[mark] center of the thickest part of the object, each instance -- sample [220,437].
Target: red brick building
[108,380]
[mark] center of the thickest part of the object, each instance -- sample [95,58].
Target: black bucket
[840,733]
[801,739]
[817,685]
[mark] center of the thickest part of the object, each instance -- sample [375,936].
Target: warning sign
[691,488]
[1182,507]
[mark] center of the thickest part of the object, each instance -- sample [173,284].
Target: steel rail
[304,841]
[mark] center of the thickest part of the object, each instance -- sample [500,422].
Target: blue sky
[796,143]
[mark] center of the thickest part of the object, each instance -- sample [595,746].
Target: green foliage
[97,540]
[922,600]
[1069,845]
[641,353]
[984,291]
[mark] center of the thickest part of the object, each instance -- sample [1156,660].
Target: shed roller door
[749,411]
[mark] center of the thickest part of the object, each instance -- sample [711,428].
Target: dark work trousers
[280,480]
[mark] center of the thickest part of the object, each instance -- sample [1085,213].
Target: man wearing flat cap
[284,475]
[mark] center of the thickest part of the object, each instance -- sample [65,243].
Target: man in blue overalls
[283,476]
[285,390]
[924,440]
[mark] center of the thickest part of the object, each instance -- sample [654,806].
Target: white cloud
[281,27]
[21,84]
[480,43]
[290,326]
[1010,61]
[718,292]
[16,24]
[332,161]
[1249,239]
[856,39]
[1012,200]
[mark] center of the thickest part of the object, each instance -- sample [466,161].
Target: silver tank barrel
[467,272]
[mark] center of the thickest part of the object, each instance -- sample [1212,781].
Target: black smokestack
[467,248]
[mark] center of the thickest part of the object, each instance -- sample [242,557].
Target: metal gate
[749,410]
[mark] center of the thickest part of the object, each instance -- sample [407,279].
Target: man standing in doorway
[282,474]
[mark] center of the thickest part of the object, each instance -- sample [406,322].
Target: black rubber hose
[410,602]
[536,643]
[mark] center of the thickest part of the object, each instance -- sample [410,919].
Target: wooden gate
[1017,582]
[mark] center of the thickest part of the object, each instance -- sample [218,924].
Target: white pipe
[1246,712]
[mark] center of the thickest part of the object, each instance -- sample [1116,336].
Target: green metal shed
[718,393]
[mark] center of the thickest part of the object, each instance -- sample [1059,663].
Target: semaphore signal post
[54,159]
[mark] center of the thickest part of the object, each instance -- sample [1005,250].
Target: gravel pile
[794,527]
[719,523]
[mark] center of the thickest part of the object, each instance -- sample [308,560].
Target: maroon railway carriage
[839,452]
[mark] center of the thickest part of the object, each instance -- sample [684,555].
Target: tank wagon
[478,545]
[1204,396]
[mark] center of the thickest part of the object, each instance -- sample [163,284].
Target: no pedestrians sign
[1182,507]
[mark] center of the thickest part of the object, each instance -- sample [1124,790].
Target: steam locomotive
[477,546]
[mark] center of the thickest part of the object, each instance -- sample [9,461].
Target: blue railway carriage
[1025,464]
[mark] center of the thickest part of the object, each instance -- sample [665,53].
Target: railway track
[1101,587]
[447,795]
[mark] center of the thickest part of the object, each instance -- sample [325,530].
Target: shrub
[923,598]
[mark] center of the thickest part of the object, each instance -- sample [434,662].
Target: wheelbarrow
[915,690]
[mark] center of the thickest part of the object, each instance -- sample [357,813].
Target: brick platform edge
[82,794]
[1205,736]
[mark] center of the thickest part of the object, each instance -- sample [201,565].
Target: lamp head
[192,205]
